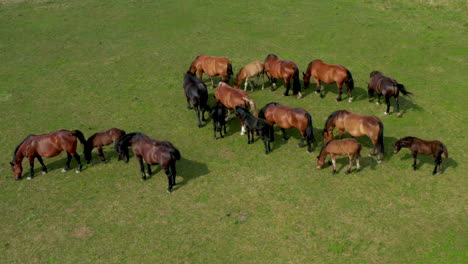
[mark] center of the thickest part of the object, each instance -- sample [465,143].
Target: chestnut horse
[356,125]
[425,147]
[212,66]
[100,139]
[282,69]
[231,97]
[386,86]
[345,147]
[46,145]
[329,74]
[287,117]
[153,152]
[197,95]
[254,69]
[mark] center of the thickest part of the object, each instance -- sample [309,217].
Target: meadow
[93,65]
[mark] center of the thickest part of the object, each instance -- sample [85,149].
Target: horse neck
[19,154]
[323,154]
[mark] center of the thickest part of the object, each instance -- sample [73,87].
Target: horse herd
[254,121]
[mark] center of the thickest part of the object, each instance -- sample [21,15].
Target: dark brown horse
[283,69]
[46,145]
[425,147]
[386,86]
[212,66]
[253,69]
[231,97]
[345,147]
[197,95]
[153,152]
[329,74]
[287,117]
[101,139]
[356,125]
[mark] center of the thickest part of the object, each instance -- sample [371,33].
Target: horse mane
[191,64]
[324,146]
[271,55]
[374,73]
[237,76]
[19,145]
[310,63]
[332,116]
[261,114]
[406,140]
[91,138]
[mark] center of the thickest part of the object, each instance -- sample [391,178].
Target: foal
[100,139]
[343,147]
[218,115]
[425,147]
[254,69]
[255,124]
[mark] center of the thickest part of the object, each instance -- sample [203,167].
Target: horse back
[230,97]
[343,147]
[328,73]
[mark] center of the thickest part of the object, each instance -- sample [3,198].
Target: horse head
[17,169]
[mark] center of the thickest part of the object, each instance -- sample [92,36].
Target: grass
[92,65]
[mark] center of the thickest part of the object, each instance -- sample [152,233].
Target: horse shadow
[428,159]
[296,137]
[54,166]
[189,170]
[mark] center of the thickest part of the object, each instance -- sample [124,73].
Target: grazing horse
[282,69]
[231,97]
[213,66]
[218,115]
[100,139]
[425,147]
[255,124]
[386,86]
[254,69]
[197,95]
[153,152]
[345,147]
[356,125]
[329,74]
[46,145]
[287,117]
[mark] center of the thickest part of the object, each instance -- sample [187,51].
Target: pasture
[93,65]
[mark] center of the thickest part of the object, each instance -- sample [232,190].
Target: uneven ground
[93,65]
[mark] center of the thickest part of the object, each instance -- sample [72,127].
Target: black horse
[218,115]
[387,87]
[253,123]
[197,95]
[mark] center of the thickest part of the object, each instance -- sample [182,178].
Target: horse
[356,125]
[153,152]
[386,86]
[231,97]
[100,139]
[212,66]
[329,74]
[283,69]
[47,145]
[197,95]
[218,115]
[255,124]
[425,147]
[287,117]
[254,69]
[349,147]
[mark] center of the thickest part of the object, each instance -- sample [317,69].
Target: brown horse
[356,125]
[425,147]
[283,69]
[100,139]
[153,152]
[231,97]
[254,69]
[345,147]
[46,145]
[213,66]
[386,86]
[329,74]
[287,117]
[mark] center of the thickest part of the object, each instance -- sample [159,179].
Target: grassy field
[93,65]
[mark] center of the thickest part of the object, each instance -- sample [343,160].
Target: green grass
[92,65]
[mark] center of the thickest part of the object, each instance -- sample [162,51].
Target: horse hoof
[44,172]
[377,103]
[338,99]
[350,100]
[169,191]
[29,178]
[346,172]
[143,179]
[299,95]
[399,114]
[317,91]
[64,170]
[379,161]
[385,113]
[285,94]
[322,96]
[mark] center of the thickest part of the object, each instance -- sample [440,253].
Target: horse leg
[169,179]
[397,101]
[142,168]
[378,99]
[387,101]
[358,167]
[285,137]
[189,106]
[287,82]
[438,161]
[263,80]
[197,110]
[44,168]
[212,83]
[77,157]
[245,84]
[350,166]
[173,172]
[273,84]
[67,165]
[333,159]
[243,128]
[149,172]
[440,164]
[415,154]
[340,87]
[31,167]
[248,135]
[101,154]
[341,133]
[214,129]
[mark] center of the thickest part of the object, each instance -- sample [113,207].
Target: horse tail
[175,154]
[310,129]
[402,89]
[80,136]
[121,146]
[349,81]
[296,83]
[252,105]
[445,151]
[380,139]
[229,72]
